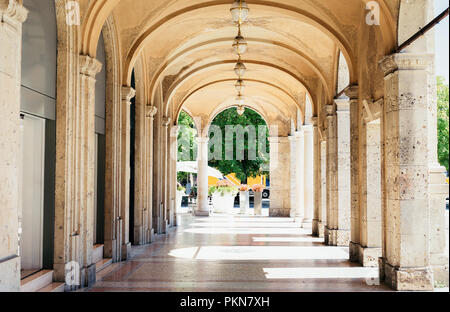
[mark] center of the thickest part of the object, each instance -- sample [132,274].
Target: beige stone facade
[352,144]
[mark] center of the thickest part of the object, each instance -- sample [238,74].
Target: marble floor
[232,253]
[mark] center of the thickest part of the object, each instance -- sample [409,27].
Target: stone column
[366,249]
[166,174]
[85,170]
[338,167]
[405,264]
[308,176]
[316,177]
[331,174]
[12,15]
[438,192]
[202,177]
[300,177]
[323,189]
[151,112]
[342,237]
[279,177]
[293,175]
[127,94]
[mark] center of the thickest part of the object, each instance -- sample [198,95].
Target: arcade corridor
[236,253]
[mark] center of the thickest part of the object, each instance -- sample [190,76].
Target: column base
[201,213]
[10,274]
[307,224]
[337,237]
[126,250]
[110,250]
[88,275]
[321,230]
[439,263]
[366,256]
[315,228]
[279,212]
[410,279]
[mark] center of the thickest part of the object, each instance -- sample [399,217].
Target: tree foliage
[245,168]
[443,122]
[186,142]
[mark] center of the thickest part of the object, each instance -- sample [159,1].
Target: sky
[442,39]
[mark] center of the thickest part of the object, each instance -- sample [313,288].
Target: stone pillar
[12,15]
[323,189]
[127,94]
[338,181]
[150,114]
[316,177]
[308,176]
[202,177]
[293,175]
[279,177]
[89,67]
[300,177]
[405,264]
[166,174]
[438,192]
[368,248]
[331,174]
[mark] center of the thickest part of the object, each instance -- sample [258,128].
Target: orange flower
[224,183]
[244,188]
[258,188]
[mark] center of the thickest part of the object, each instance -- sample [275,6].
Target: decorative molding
[89,66]
[372,110]
[330,110]
[342,105]
[151,111]
[127,94]
[352,92]
[166,121]
[406,61]
[315,121]
[14,10]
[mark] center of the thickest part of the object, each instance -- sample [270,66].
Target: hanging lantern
[240,45]
[240,69]
[240,86]
[240,12]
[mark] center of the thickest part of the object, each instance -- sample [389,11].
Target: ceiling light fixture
[240,11]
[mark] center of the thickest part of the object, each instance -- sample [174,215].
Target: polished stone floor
[237,253]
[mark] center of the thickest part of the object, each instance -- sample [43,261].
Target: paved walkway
[237,253]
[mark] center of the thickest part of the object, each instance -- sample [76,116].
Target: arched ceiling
[293,48]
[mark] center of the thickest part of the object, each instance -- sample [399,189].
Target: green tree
[186,142]
[245,168]
[443,122]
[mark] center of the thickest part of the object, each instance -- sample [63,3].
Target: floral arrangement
[244,188]
[223,187]
[259,188]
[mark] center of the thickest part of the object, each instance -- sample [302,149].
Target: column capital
[406,61]
[166,121]
[128,93]
[315,121]
[352,92]
[13,10]
[89,66]
[300,134]
[342,105]
[151,111]
[308,130]
[330,110]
